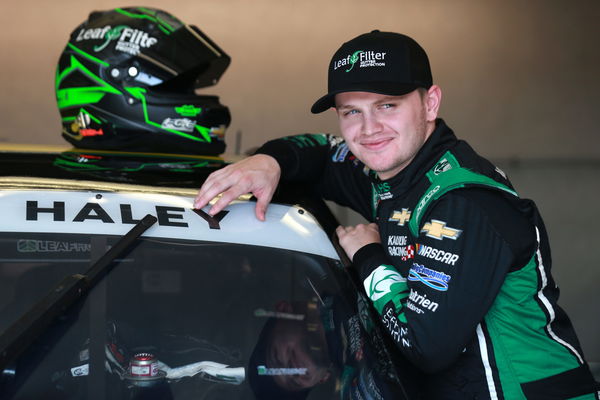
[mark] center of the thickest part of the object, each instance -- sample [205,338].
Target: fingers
[257,174]
[220,181]
[204,196]
[210,189]
[261,206]
[342,230]
[353,238]
[226,198]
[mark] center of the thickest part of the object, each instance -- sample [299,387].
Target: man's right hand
[258,174]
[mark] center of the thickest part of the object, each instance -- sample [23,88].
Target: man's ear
[433,99]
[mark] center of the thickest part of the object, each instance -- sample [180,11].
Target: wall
[519,78]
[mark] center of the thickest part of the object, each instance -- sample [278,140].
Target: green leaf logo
[353,59]
[112,34]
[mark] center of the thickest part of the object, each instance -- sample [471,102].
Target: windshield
[182,319]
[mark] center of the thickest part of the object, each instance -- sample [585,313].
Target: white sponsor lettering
[129,40]
[367,58]
[179,124]
[94,33]
[438,255]
[396,331]
[397,240]
[399,251]
[417,299]
[138,37]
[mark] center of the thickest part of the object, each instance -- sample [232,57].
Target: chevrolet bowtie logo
[438,230]
[400,216]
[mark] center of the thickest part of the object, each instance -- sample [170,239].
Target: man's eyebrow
[388,99]
[383,100]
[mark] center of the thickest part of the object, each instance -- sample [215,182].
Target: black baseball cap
[378,62]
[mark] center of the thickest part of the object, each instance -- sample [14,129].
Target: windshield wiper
[23,332]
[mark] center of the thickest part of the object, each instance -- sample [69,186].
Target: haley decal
[167,216]
[437,255]
[438,230]
[129,40]
[401,217]
[434,279]
[365,59]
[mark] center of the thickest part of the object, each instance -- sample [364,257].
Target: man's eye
[351,112]
[388,105]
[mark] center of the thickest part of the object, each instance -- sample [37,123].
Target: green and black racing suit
[461,279]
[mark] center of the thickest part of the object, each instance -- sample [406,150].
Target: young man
[455,263]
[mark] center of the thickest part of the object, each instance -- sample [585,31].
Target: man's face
[290,347]
[385,132]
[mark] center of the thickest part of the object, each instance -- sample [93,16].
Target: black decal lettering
[58,211]
[165,214]
[213,222]
[98,213]
[126,216]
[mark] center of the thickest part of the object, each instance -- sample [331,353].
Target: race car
[113,286]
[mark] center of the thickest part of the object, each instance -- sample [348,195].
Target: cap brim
[328,101]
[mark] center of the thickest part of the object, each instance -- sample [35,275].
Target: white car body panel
[115,213]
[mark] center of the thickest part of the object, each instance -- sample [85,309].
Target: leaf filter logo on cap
[367,59]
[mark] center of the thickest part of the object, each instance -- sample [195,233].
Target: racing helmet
[126,81]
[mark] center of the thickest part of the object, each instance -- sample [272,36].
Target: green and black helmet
[126,81]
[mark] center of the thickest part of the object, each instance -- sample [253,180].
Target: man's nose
[371,124]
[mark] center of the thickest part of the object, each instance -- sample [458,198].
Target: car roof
[305,227]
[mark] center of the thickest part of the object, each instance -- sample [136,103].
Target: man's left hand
[352,238]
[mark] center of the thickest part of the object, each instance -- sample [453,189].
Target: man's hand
[258,174]
[353,238]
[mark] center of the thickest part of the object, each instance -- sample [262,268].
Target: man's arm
[431,312]
[320,160]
